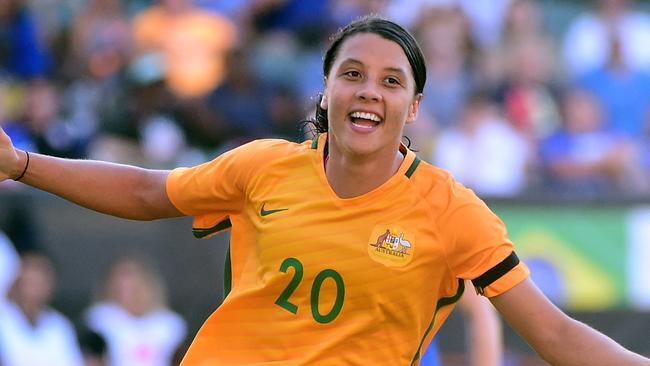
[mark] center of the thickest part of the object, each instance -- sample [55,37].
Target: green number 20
[283,300]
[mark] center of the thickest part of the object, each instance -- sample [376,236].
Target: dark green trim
[411,169]
[203,232]
[442,302]
[227,275]
[314,142]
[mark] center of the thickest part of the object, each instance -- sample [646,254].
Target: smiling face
[369,96]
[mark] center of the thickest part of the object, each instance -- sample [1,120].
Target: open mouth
[365,120]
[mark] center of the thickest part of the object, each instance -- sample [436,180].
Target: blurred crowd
[510,107]
[128,322]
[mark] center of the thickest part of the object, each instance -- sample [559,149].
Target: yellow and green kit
[315,279]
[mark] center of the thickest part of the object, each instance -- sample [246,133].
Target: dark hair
[386,29]
[91,343]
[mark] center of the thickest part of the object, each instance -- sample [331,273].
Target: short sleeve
[479,243]
[213,191]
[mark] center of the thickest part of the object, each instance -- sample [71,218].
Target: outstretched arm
[484,327]
[559,339]
[119,190]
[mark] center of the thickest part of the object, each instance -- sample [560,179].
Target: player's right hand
[9,158]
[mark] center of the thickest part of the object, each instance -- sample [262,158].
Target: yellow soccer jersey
[320,280]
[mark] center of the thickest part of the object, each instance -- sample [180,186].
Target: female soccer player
[346,249]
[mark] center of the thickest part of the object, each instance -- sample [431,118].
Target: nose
[368,92]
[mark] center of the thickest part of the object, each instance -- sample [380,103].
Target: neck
[352,176]
[31,312]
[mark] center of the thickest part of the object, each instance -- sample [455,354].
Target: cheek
[402,108]
[335,101]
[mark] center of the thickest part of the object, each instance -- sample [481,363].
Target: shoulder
[259,153]
[154,13]
[436,183]
[445,196]
[228,176]
[103,312]
[54,319]
[274,145]
[584,23]
[8,311]
[169,319]
[639,19]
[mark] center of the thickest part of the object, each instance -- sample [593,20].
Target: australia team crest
[391,245]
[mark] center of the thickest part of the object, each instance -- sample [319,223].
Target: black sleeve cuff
[494,273]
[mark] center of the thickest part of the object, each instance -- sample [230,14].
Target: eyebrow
[397,70]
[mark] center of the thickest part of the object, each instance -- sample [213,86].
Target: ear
[413,109]
[323,100]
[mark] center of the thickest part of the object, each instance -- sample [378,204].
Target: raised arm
[559,339]
[119,190]
[484,327]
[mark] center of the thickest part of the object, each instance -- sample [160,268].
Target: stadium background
[588,243]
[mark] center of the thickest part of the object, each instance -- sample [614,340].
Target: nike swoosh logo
[264,212]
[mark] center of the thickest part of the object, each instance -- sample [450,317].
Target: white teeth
[366,115]
[363,126]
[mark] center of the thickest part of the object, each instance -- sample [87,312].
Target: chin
[363,149]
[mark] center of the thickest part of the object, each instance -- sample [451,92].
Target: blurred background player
[133,317]
[483,334]
[9,266]
[31,332]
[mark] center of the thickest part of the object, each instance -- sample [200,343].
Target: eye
[392,81]
[352,74]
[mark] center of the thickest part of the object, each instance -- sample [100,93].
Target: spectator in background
[522,24]
[285,43]
[485,16]
[407,12]
[484,152]
[189,42]
[443,31]
[446,42]
[42,115]
[587,41]
[100,49]
[486,20]
[344,11]
[483,330]
[32,333]
[100,39]
[233,9]
[140,124]
[231,119]
[133,317]
[296,16]
[523,21]
[55,20]
[9,266]
[582,157]
[11,93]
[22,53]
[528,92]
[623,92]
